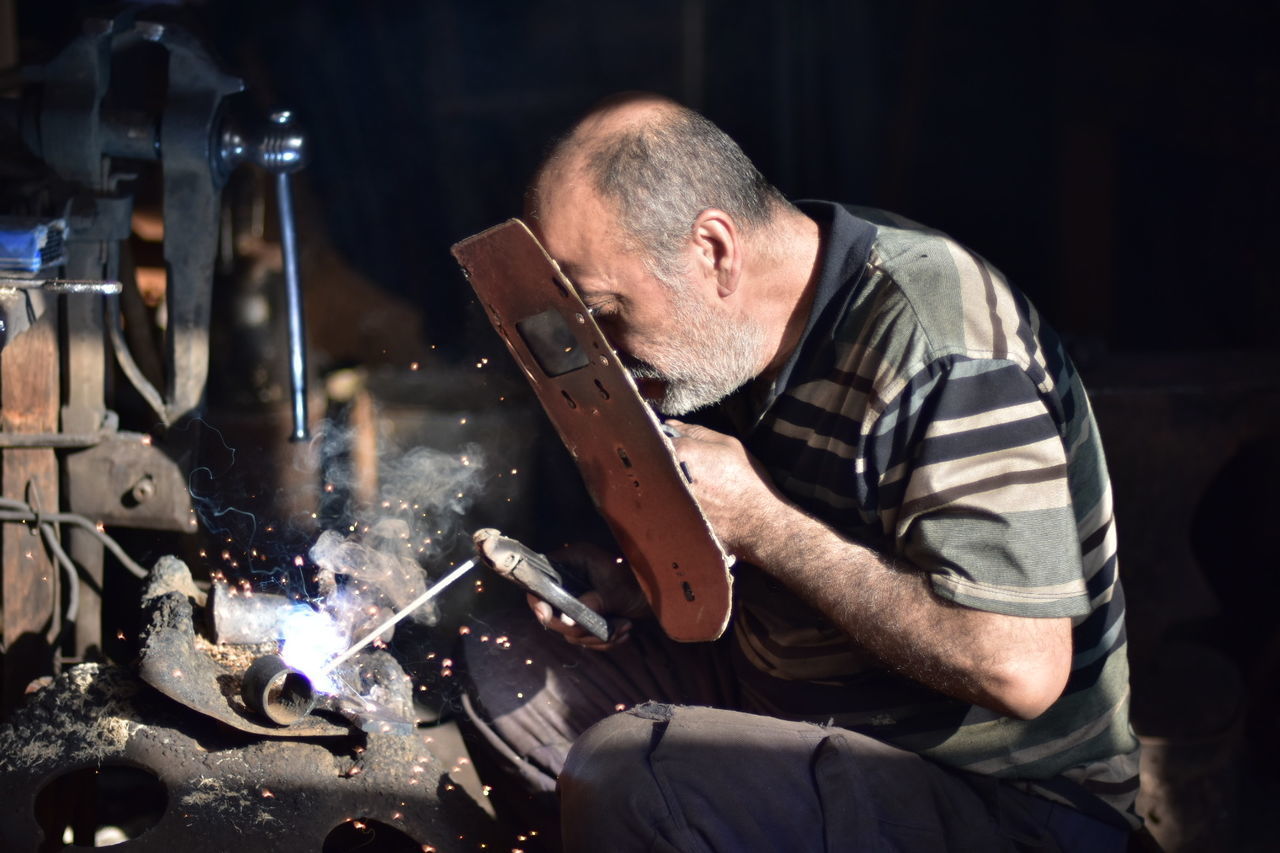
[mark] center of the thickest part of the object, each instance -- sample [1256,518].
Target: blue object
[29,248]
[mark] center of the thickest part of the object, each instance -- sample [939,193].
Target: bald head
[658,165]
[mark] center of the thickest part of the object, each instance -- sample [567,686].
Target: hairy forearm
[1013,665]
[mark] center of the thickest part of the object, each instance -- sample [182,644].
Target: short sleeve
[969,475]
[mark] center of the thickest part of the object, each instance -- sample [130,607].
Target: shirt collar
[845,247]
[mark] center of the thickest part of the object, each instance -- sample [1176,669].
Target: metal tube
[243,618]
[293,302]
[277,691]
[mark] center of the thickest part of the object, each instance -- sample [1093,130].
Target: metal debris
[225,788]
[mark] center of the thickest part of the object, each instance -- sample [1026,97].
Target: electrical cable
[15,510]
[50,535]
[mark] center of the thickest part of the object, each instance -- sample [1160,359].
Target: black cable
[14,510]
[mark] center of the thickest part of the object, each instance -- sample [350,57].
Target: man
[903,461]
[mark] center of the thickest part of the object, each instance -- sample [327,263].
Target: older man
[928,628]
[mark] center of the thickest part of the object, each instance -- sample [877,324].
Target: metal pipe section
[246,618]
[276,690]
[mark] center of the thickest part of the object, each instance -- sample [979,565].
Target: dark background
[1114,159]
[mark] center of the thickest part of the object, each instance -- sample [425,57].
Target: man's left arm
[1014,665]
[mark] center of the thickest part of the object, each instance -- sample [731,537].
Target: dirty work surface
[229,790]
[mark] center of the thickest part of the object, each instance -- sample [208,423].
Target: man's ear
[717,249]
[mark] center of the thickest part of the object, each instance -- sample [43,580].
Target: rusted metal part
[29,581]
[225,790]
[171,663]
[377,695]
[276,690]
[629,467]
[126,481]
[59,440]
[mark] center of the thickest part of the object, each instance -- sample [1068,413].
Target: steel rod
[293,303]
[431,593]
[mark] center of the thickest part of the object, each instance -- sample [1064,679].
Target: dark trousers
[694,772]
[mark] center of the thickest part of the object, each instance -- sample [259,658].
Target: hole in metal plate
[603,392]
[688,591]
[622,454]
[573,404]
[114,803]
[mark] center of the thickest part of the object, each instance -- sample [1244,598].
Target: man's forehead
[574,226]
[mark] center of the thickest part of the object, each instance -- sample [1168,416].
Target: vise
[74,139]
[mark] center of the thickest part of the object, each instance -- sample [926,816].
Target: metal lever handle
[281,150]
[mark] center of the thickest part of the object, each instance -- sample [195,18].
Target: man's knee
[607,789]
[609,754]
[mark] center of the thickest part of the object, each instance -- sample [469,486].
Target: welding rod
[431,593]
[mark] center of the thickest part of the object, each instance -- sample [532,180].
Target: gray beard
[704,362]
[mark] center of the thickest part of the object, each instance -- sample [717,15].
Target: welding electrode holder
[276,690]
[532,571]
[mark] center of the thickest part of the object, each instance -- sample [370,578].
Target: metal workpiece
[173,664]
[246,618]
[276,690]
[249,686]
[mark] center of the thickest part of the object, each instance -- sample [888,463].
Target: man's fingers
[679,429]
[541,610]
[620,634]
[572,631]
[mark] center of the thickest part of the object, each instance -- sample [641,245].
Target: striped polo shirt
[930,413]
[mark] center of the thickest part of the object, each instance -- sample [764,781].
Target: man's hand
[1016,666]
[614,594]
[731,486]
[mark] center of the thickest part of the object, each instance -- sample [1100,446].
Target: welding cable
[50,534]
[14,510]
[124,357]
